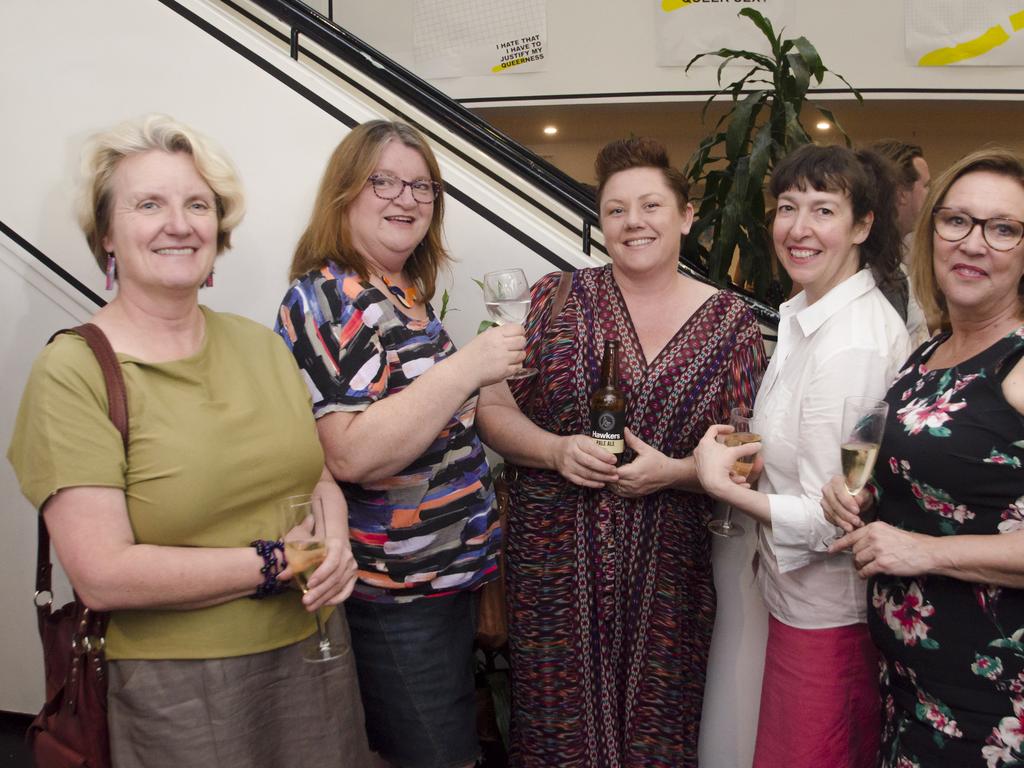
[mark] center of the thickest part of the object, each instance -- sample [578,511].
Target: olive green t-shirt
[215,441]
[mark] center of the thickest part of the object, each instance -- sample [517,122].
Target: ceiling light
[823,125]
[550,130]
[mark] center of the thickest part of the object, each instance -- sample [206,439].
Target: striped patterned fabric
[433,528]
[612,600]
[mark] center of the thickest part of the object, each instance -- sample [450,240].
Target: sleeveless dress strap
[1005,353]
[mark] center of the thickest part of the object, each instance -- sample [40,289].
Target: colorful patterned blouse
[432,529]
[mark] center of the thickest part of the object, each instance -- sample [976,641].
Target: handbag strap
[117,398]
[561,295]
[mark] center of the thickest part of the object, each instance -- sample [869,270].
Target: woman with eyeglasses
[395,405]
[945,558]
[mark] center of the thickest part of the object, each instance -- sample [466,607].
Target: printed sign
[945,33]
[459,38]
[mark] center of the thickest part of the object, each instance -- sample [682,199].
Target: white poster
[685,28]
[943,33]
[458,38]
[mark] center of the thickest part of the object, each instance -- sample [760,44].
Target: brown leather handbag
[492,616]
[71,729]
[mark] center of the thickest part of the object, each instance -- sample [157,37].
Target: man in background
[913,178]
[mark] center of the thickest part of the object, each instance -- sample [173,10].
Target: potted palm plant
[731,164]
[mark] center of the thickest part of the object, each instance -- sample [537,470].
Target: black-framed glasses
[1000,233]
[388,187]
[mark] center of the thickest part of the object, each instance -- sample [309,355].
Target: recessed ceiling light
[823,125]
[550,130]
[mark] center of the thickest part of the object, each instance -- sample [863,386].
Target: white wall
[32,309]
[608,46]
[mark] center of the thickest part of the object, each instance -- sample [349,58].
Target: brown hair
[922,265]
[868,179]
[104,151]
[328,236]
[625,154]
[901,154]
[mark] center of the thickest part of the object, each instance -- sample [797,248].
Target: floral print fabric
[952,673]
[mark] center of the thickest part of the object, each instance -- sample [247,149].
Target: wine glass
[304,553]
[507,298]
[863,425]
[739,419]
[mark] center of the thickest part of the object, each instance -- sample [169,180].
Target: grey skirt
[265,709]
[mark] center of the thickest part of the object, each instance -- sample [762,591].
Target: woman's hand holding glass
[844,499]
[494,355]
[717,462]
[334,578]
[741,472]
[321,565]
[843,509]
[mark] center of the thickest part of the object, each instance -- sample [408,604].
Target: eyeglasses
[1000,233]
[388,187]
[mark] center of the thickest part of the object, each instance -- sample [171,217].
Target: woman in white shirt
[836,235]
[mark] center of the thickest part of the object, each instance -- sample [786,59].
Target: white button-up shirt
[849,342]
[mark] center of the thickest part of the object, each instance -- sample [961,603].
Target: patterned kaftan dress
[612,600]
[953,651]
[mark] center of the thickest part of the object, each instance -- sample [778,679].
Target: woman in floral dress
[946,557]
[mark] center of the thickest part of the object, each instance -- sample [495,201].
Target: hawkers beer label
[608,428]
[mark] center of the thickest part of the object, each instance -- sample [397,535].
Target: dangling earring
[209,280]
[111,271]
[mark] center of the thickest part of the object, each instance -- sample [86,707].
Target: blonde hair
[105,150]
[328,237]
[996,160]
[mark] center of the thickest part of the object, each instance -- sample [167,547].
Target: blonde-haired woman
[944,559]
[172,536]
[395,405]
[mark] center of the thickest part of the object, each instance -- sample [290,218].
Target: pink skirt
[820,704]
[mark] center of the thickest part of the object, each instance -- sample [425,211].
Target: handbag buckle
[87,644]
[39,593]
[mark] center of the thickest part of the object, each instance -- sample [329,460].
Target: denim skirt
[415,664]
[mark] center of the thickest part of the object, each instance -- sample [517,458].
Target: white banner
[459,38]
[685,28]
[943,33]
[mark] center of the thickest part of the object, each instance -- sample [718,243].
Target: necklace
[406,298]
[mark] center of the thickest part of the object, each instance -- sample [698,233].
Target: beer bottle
[608,405]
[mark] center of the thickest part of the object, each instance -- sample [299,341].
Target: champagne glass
[305,552]
[507,298]
[863,425]
[739,419]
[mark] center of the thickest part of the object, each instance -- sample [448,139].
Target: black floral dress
[952,671]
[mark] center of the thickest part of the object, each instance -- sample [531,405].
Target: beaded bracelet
[272,567]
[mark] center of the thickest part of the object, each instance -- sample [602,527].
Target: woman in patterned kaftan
[612,601]
[946,558]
